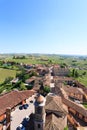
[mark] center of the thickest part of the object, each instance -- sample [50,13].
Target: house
[12,99]
[57,89]
[27,66]
[57,70]
[54,123]
[42,70]
[74,93]
[50,114]
[35,82]
[76,109]
[79,85]
[47,80]
[31,80]
[56,113]
[14,81]
[63,79]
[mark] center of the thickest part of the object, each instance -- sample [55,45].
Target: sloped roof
[13,98]
[54,123]
[27,93]
[62,78]
[54,104]
[72,90]
[75,106]
[33,78]
[9,100]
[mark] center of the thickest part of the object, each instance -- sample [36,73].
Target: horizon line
[43,53]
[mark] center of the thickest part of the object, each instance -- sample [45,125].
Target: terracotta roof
[54,104]
[40,68]
[62,78]
[9,100]
[81,86]
[72,90]
[40,99]
[60,68]
[27,93]
[46,80]
[13,98]
[75,106]
[30,79]
[57,89]
[54,123]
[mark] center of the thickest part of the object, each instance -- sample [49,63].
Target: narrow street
[18,115]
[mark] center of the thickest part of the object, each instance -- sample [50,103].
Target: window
[39,126]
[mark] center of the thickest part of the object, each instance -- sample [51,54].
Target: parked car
[21,107]
[25,121]
[25,106]
[77,101]
[31,101]
[20,127]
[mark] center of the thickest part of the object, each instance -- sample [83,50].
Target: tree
[76,74]
[17,85]
[73,72]
[46,89]
[84,73]
[8,79]
[1,63]
[26,76]
[29,87]
[33,73]
[66,128]
[13,57]
[50,61]
[22,86]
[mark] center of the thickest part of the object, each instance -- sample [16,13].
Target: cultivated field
[74,62]
[5,73]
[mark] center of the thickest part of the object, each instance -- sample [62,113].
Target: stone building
[50,114]
[59,71]
[39,119]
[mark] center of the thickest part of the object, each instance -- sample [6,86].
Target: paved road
[19,115]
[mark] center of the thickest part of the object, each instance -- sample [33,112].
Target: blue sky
[43,26]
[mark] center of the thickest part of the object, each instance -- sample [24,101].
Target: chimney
[8,113]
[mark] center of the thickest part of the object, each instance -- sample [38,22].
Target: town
[43,64]
[42,97]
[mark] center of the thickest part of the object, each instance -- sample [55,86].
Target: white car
[25,121]
[20,127]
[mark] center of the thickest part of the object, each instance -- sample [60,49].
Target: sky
[43,26]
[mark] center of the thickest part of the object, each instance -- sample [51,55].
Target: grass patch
[28,61]
[85,105]
[83,78]
[5,73]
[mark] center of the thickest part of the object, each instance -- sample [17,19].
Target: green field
[83,80]
[79,63]
[28,61]
[74,61]
[5,73]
